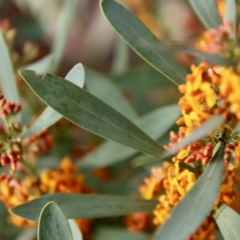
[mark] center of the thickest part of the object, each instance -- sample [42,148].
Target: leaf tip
[23,72]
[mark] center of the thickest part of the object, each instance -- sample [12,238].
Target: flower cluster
[223,41]
[176,182]
[14,150]
[207,92]
[18,184]
[217,40]
[24,182]
[62,179]
[65,179]
[15,191]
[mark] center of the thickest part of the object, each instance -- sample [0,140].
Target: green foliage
[7,78]
[100,87]
[228,222]
[207,12]
[7,231]
[85,205]
[120,62]
[231,14]
[65,18]
[135,79]
[207,127]
[53,224]
[77,235]
[142,41]
[105,155]
[85,110]
[49,116]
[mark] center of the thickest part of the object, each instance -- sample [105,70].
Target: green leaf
[135,79]
[231,14]
[4,169]
[85,110]
[86,205]
[7,78]
[41,66]
[50,116]
[191,211]
[77,235]
[133,82]
[228,222]
[205,56]
[155,124]
[105,90]
[218,234]
[237,128]
[7,230]
[206,128]
[214,58]
[207,12]
[52,224]
[29,233]
[64,21]
[105,232]
[140,39]
[121,56]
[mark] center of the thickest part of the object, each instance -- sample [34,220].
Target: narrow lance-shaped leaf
[210,57]
[108,93]
[7,79]
[7,230]
[49,116]
[64,21]
[27,234]
[87,111]
[207,12]
[237,128]
[121,56]
[85,205]
[231,14]
[135,80]
[155,124]
[228,222]
[191,211]
[77,234]
[52,224]
[140,38]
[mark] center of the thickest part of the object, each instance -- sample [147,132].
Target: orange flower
[208,91]
[13,193]
[137,221]
[153,184]
[218,40]
[176,183]
[63,179]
